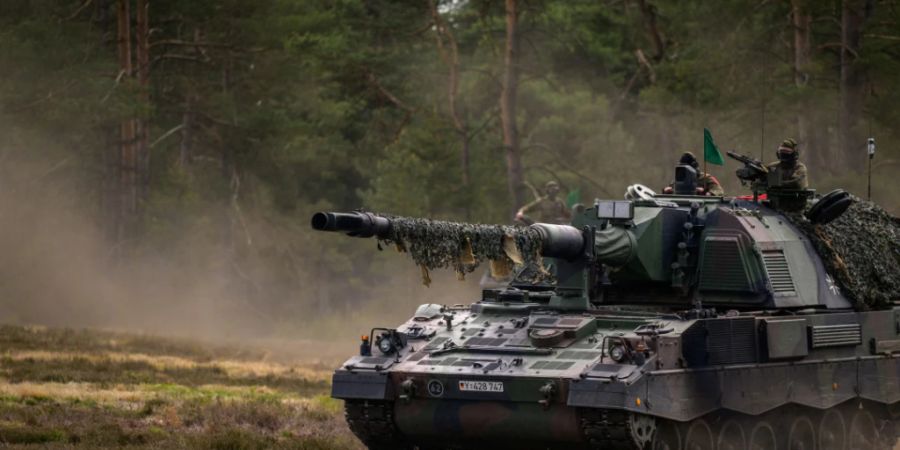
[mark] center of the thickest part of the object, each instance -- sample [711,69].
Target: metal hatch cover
[786,339]
[611,371]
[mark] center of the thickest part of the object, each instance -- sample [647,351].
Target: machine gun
[762,180]
[753,169]
[753,172]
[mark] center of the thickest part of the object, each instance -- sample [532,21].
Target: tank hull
[743,376]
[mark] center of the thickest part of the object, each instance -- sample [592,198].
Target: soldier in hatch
[546,209]
[788,172]
[706,183]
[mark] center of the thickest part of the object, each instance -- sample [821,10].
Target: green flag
[710,151]
[573,198]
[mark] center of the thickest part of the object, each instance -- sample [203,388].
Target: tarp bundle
[463,246]
[861,250]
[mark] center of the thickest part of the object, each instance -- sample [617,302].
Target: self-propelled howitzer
[660,322]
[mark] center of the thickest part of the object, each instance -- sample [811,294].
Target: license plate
[481,386]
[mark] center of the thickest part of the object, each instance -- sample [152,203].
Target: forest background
[160,159]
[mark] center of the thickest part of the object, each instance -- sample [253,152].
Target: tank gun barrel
[560,241]
[613,245]
[358,224]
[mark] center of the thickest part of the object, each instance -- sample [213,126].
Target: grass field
[62,388]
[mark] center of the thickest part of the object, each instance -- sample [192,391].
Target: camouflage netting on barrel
[438,244]
[861,250]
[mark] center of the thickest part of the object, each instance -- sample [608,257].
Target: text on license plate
[481,386]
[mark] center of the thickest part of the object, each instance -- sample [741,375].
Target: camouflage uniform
[788,172]
[709,183]
[785,182]
[788,175]
[547,210]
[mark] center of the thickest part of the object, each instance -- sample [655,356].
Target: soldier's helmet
[688,158]
[551,186]
[788,150]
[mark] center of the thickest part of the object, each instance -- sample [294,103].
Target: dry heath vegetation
[63,388]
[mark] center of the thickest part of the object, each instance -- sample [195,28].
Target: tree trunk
[508,107]
[187,134]
[801,20]
[112,199]
[142,33]
[125,214]
[648,11]
[452,91]
[449,52]
[853,16]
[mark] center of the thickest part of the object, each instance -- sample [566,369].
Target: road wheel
[732,436]
[667,436]
[699,436]
[863,433]
[643,428]
[832,431]
[802,435]
[763,437]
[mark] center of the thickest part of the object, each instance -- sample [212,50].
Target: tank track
[373,423]
[607,429]
[604,429]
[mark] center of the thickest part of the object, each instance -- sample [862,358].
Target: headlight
[617,353]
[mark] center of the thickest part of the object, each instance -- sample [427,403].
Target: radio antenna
[762,128]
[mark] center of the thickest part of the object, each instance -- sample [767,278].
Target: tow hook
[407,390]
[548,391]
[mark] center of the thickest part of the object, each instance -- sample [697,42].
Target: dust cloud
[286,288]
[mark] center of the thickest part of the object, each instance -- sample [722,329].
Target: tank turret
[676,251]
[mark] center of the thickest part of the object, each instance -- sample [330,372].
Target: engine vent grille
[417,356]
[731,341]
[723,268]
[486,342]
[779,272]
[573,354]
[835,335]
[720,341]
[435,344]
[552,365]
